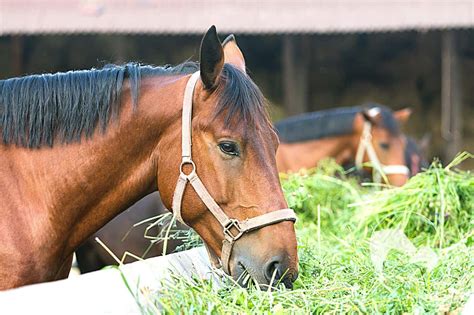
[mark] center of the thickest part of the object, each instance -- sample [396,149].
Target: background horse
[80,147]
[341,133]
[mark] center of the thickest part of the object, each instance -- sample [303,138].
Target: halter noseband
[365,144]
[233,229]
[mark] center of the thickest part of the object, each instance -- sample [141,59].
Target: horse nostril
[276,269]
[272,270]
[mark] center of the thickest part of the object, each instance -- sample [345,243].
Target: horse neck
[294,156]
[74,189]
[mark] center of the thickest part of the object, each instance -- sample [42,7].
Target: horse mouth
[246,277]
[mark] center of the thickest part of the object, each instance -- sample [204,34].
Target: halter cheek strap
[380,170]
[233,229]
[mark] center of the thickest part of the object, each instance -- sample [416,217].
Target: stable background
[304,55]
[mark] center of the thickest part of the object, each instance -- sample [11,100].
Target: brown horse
[80,147]
[369,137]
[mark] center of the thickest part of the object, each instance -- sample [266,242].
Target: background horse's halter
[233,229]
[365,144]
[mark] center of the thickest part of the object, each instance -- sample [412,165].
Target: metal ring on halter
[233,224]
[187,162]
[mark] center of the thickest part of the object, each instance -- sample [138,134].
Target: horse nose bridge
[260,190]
[271,239]
[279,240]
[270,198]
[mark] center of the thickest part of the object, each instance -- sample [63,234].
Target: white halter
[233,229]
[380,170]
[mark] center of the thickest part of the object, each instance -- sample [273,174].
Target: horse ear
[211,58]
[233,54]
[372,115]
[402,115]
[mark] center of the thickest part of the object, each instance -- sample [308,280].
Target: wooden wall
[303,72]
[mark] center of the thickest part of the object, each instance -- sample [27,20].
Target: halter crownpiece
[233,229]
[365,145]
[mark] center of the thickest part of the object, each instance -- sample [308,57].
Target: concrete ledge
[104,292]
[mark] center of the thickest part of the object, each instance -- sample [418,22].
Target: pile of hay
[361,249]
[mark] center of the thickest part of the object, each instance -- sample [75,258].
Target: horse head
[235,193]
[381,144]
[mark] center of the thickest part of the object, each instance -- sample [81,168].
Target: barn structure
[296,32]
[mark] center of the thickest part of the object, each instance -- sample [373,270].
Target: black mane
[240,99]
[329,123]
[41,109]
[37,109]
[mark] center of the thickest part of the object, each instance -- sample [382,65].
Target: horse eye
[229,148]
[385,145]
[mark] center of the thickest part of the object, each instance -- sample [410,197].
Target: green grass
[337,218]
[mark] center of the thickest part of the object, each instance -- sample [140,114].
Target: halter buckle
[233,224]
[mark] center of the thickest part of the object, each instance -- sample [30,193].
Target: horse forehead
[384,132]
[246,129]
[264,138]
[390,123]
[252,135]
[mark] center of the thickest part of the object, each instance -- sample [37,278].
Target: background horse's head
[380,127]
[233,148]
